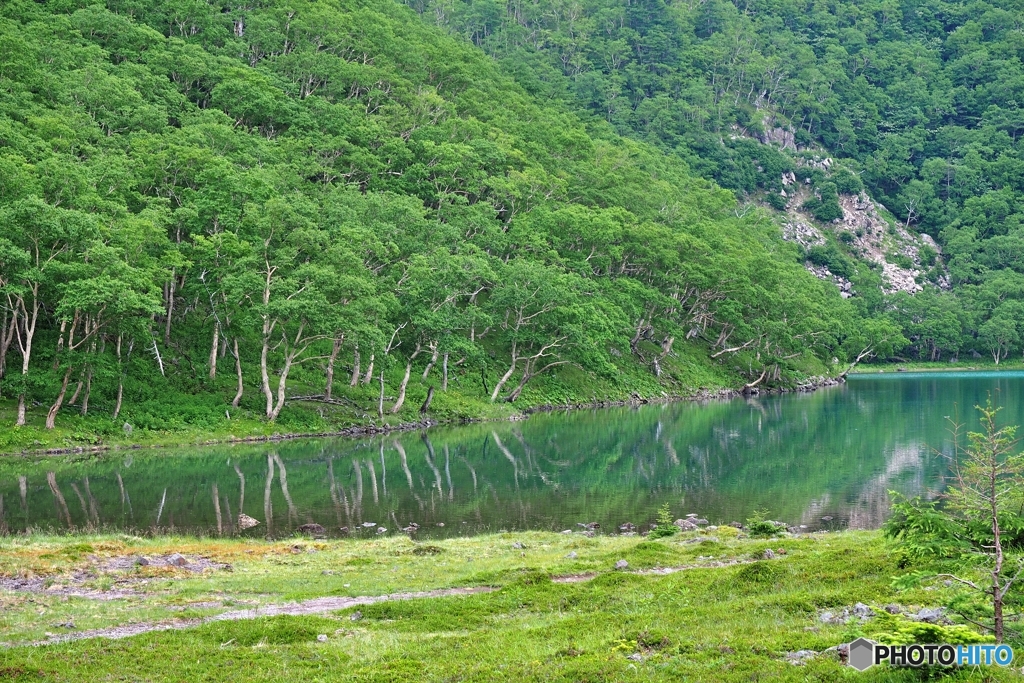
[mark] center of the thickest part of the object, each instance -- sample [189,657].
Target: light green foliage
[208,211]
[896,629]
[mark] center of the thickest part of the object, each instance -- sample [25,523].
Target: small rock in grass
[863,611]
[635,657]
[567,531]
[800,657]
[621,564]
[143,561]
[571,556]
[768,554]
[930,615]
[356,616]
[440,524]
[518,546]
[327,572]
[382,530]
[177,560]
[893,608]
[322,638]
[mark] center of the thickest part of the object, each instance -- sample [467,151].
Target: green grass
[963,365]
[713,623]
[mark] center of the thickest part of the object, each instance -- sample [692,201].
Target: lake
[834,453]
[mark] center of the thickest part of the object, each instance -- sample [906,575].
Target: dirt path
[334,604]
[294,609]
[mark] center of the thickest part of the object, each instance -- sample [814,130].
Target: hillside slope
[916,102]
[210,209]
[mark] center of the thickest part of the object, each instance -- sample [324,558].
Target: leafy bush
[825,207]
[901,260]
[829,256]
[927,255]
[776,201]
[846,182]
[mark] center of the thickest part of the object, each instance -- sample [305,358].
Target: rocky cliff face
[867,233]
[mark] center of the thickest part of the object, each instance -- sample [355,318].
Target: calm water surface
[834,453]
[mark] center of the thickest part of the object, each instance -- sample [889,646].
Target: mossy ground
[708,622]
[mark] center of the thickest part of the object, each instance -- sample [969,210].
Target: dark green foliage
[829,256]
[846,182]
[927,256]
[825,204]
[776,200]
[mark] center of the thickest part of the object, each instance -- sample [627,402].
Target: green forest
[919,101]
[312,213]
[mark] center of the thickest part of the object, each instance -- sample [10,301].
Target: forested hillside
[208,209]
[919,101]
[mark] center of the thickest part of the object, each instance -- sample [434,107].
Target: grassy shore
[559,609]
[962,365]
[186,416]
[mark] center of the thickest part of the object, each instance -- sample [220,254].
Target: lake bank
[78,435]
[556,604]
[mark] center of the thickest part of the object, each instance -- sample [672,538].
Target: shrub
[760,527]
[665,526]
[846,182]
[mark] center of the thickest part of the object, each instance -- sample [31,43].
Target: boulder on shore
[246,522]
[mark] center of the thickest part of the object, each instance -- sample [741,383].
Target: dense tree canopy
[919,99]
[284,188]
